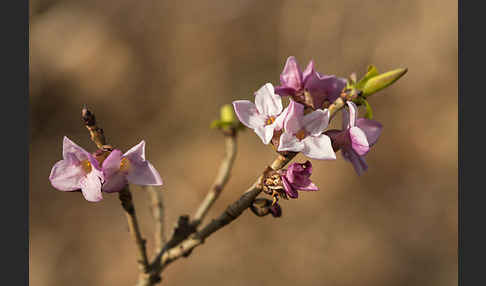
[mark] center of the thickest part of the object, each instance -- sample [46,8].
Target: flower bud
[227,114]
[227,120]
[379,82]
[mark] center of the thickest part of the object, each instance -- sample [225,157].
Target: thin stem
[126,199]
[157,203]
[220,181]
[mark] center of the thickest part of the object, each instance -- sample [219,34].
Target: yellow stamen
[270,120]
[301,134]
[124,165]
[86,165]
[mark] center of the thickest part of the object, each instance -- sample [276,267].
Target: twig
[97,134]
[127,203]
[219,182]
[157,203]
[182,242]
[231,213]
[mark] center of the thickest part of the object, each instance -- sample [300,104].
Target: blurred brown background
[160,70]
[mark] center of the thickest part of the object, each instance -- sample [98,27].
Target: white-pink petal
[137,151]
[318,147]
[144,174]
[293,120]
[69,147]
[265,133]
[359,142]
[267,102]
[289,142]
[91,186]
[316,121]
[248,114]
[353,113]
[67,174]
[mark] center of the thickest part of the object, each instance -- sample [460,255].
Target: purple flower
[78,170]
[309,87]
[265,115]
[297,177]
[120,169]
[355,138]
[303,133]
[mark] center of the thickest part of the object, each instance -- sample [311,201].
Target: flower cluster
[301,126]
[103,171]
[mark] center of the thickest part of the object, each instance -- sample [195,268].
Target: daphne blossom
[77,170]
[120,169]
[303,133]
[265,115]
[309,87]
[356,137]
[297,177]
[96,173]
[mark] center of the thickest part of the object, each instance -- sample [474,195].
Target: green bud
[379,82]
[227,114]
[227,119]
[372,72]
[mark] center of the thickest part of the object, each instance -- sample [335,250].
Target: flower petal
[371,128]
[67,174]
[144,173]
[265,133]
[318,147]
[345,119]
[248,114]
[289,190]
[280,120]
[293,120]
[323,87]
[309,187]
[91,186]
[299,176]
[353,113]
[137,152]
[291,75]
[288,142]
[140,171]
[111,164]
[359,143]
[359,163]
[285,91]
[316,121]
[69,147]
[115,183]
[308,71]
[267,102]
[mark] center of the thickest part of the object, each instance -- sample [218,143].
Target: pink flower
[120,169]
[78,170]
[308,87]
[356,137]
[303,133]
[264,116]
[297,177]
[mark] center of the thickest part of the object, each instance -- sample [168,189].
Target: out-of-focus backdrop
[160,70]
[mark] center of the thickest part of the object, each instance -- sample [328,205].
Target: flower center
[270,120]
[124,165]
[86,165]
[301,134]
